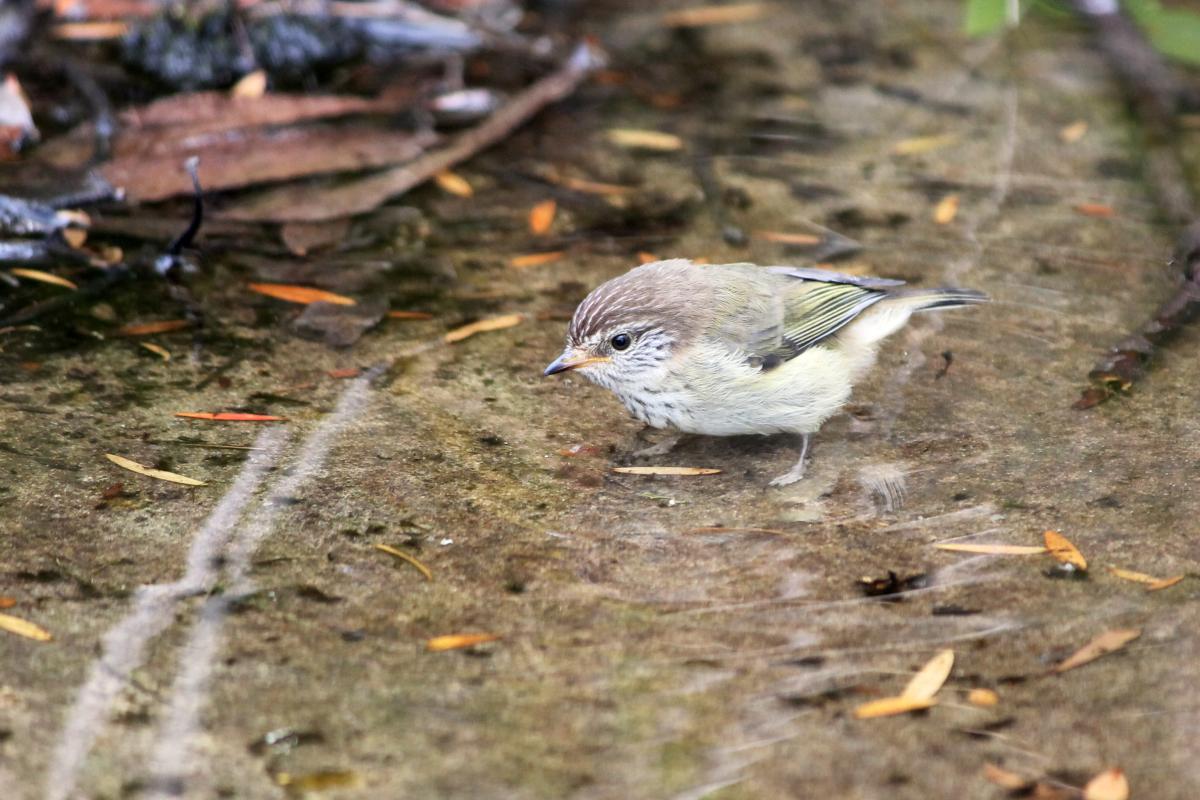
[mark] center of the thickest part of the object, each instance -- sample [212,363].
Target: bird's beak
[573,359]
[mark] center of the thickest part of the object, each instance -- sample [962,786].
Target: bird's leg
[797,472]
[660,449]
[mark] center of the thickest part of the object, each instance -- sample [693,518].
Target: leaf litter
[25,628]
[403,556]
[458,641]
[1107,642]
[150,472]
[918,695]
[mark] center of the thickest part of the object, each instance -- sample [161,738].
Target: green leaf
[985,16]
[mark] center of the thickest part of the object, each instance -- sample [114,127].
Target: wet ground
[639,656]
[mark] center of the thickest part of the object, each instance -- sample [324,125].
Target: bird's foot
[797,472]
[660,449]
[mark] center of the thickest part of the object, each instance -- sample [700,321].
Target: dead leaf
[715,15]
[633,138]
[343,374]
[43,277]
[666,470]
[541,217]
[483,326]
[403,556]
[991,549]
[646,258]
[159,474]
[300,294]
[783,237]
[89,31]
[24,628]
[891,706]
[583,185]
[984,698]
[303,785]
[251,86]
[1074,132]
[453,183]
[409,315]
[1095,210]
[457,641]
[1165,583]
[1102,645]
[229,416]
[923,144]
[7,602]
[157,349]
[1005,779]
[535,259]
[946,210]
[1063,551]
[926,683]
[149,328]
[1129,575]
[1108,785]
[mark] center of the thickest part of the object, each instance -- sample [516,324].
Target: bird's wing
[828,276]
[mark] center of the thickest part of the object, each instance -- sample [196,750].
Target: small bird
[732,349]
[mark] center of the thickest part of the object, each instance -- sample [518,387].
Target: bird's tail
[889,315]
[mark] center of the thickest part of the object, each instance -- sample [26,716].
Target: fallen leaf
[535,259]
[1102,645]
[1005,779]
[1165,583]
[715,15]
[923,144]
[342,374]
[409,315]
[7,602]
[541,217]
[1063,551]
[1095,210]
[593,187]
[666,470]
[300,294]
[646,258]
[1074,132]
[983,697]
[149,328]
[483,326]
[457,641]
[1108,785]
[783,237]
[303,785]
[160,474]
[24,628]
[229,416]
[75,237]
[946,210]
[926,683]
[403,556]
[453,183]
[251,86]
[890,706]
[43,277]
[1130,575]
[157,349]
[991,549]
[89,31]
[644,140]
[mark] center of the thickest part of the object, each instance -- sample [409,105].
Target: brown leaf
[89,31]
[1130,575]
[483,326]
[42,277]
[1063,551]
[646,258]
[632,138]
[541,217]
[299,294]
[1102,645]
[1005,779]
[25,628]
[985,698]
[457,641]
[1095,210]
[343,374]
[535,259]
[991,549]
[7,602]
[704,16]
[150,328]
[409,315]
[159,474]
[890,706]
[1165,583]
[926,683]
[784,237]
[229,416]
[1108,785]
[453,183]
[666,470]
[250,86]
[946,210]
[403,556]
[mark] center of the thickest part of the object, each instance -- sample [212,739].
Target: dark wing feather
[827,276]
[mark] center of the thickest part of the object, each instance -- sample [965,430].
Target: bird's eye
[621,341]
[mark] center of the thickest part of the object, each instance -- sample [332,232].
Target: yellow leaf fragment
[1004,778]
[158,350]
[300,294]
[984,698]
[891,706]
[991,549]
[457,641]
[1108,785]
[1130,575]
[453,183]
[160,474]
[541,217]
[634,138]
[1074,132]
[1063,551]
[250,86]
[703,16]
[1165,583]
[923,144]
[22,627]
[666,470]
[42,277]
[1102,645]
[483,326]
[946,210]
[534,259]
[926,683]
[403,556]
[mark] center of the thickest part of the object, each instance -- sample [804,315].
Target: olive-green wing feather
[812,312]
